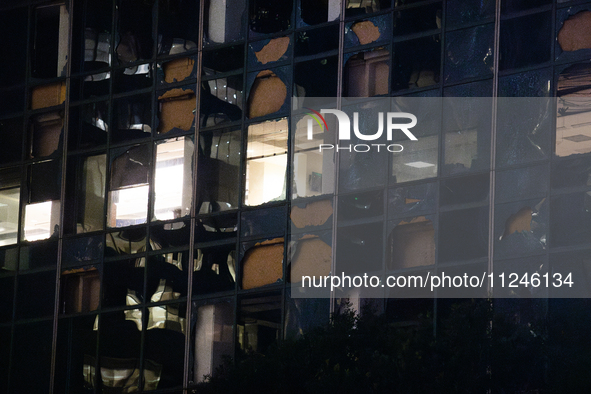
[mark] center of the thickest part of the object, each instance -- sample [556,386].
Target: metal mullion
[64,163]
[340,74]
[193,223]
[493,141]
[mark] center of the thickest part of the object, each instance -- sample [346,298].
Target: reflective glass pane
[173,179]
[266,162]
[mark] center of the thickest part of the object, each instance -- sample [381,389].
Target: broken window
[259,323]
[522,183]
[176,110]
[46,133]
[267,93]
[312,214]
[469,53]
[268,51]
[177,30]
[418,160]
[313,171]
[173,179]
[269,221]
[218,170]
[416,63]
[367,74]
[78,251]
[128,187]
[48,95]
[132,117]
[460,12]
[266,162]
[80,290]
[12,136]
[521,228]
[262,263]
[573,134]
[176,70]
[223,21]
[221,100]
[368,31]
[268,16]
[50,41]
[42,211]
[411,243]
[412,200]
[213,337]
[309,255]
[467,124]
[214,269]
[9,205]
[523,139]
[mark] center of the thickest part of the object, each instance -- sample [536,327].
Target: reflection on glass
[46,133]
[218,170]
[128,196]
[313,171]
[259,323]
[221,101]
[315,12]
[214,269]
[223,20]
[367,74]
[9,203]
[360,7]
[418,160]
[411,243]
[173,178]
[80,290]
[50,45]
[92,194]
[41,220]
[416,63]
[213,337]
[266,163]
[573,118]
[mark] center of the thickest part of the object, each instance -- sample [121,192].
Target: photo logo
[344,130]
